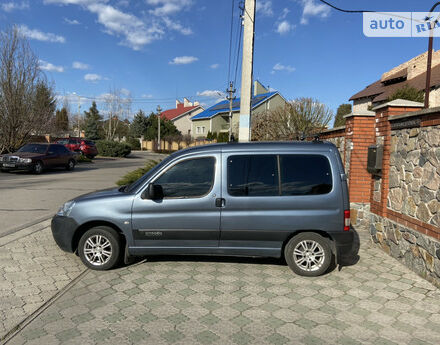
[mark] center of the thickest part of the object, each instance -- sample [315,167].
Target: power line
[342,10]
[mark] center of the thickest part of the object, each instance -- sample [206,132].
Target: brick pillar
[359,134]
[379,184]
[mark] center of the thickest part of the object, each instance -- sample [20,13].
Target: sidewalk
[203,300]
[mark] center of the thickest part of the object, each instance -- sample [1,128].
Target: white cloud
[313,9]
[211,94]
[134,32]
[80,65]
[71,21]
[215,66]
[285,13]
[125,92]
[92,77]
[176,26]
[183,60]
[280,67]
[38,35]
[147,95]
[47,66]
[12,6]
[264,7]
[168,7]
[284,27]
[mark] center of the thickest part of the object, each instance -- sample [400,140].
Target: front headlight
[25,160]
[66,209]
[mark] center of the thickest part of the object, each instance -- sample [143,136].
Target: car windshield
[139,182]
[33,148]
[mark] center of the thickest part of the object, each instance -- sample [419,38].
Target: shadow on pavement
[353,257]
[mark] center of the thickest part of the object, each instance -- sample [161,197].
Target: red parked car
[86,147]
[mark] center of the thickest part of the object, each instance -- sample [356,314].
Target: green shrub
[83,159]
[136,174]
[112,148]
[134,143]
[223,137]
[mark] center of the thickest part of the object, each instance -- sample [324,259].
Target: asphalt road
[26,198]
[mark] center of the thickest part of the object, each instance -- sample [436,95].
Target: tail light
[346,220]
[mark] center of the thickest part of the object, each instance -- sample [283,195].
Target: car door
[52,158]
[268,196]
[187,215]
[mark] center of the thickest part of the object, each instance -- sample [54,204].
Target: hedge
[136,174]
[112,148]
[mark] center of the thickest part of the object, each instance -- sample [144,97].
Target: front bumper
[16,166]
[63,232]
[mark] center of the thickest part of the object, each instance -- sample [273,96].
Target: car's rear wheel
[38,167]
[100,248]
[308,254]
[70,164]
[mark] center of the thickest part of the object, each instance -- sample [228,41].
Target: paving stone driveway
[243,301]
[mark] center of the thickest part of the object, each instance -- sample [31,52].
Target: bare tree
[27,102]
[300,118]
[118,107]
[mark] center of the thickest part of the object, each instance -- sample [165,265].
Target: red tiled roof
[171,114]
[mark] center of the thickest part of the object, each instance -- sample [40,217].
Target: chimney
[178,104]
[196,103]
[186,102]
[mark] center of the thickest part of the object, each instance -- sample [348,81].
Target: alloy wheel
[97,250]
[309,255]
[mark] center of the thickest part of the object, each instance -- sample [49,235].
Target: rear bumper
[63,231]
[344,242]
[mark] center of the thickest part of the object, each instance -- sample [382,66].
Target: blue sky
[160,50]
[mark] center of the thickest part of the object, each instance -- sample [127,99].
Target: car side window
[253,175]
[188,179]
[305,175]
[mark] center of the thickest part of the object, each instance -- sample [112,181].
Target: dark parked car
[254,199]
[86,147]
[37,157]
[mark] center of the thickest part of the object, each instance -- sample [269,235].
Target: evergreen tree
[409,93]
[139,125]
[343,109]
[62,120]
[167,128]
[92,122]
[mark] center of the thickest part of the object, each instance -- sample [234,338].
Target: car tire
[70,165]
[100,248]
[38,167]
[90,156]
[308,254]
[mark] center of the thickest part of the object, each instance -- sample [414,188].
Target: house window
[198,130]
[203,130]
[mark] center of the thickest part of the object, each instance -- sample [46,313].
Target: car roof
[261,146]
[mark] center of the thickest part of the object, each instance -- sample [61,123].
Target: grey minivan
[237,199]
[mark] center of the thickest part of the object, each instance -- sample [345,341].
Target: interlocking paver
[218,301]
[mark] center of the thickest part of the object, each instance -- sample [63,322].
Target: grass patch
[83,159]
[136,174]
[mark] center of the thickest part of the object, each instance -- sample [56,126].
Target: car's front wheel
[308,254]
[38,168]
[99,248]
[70,165]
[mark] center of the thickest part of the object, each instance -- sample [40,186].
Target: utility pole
[244,133]
[431,26]
[79,114]
[159,110]
[230,98]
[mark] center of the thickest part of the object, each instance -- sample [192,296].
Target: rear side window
[253,175]
[188,179]
[305,175]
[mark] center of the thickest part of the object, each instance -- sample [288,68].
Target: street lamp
[428,67]
[159,109]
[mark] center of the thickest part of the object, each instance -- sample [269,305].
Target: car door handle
[220,202]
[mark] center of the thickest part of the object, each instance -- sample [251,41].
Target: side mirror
[153,192]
